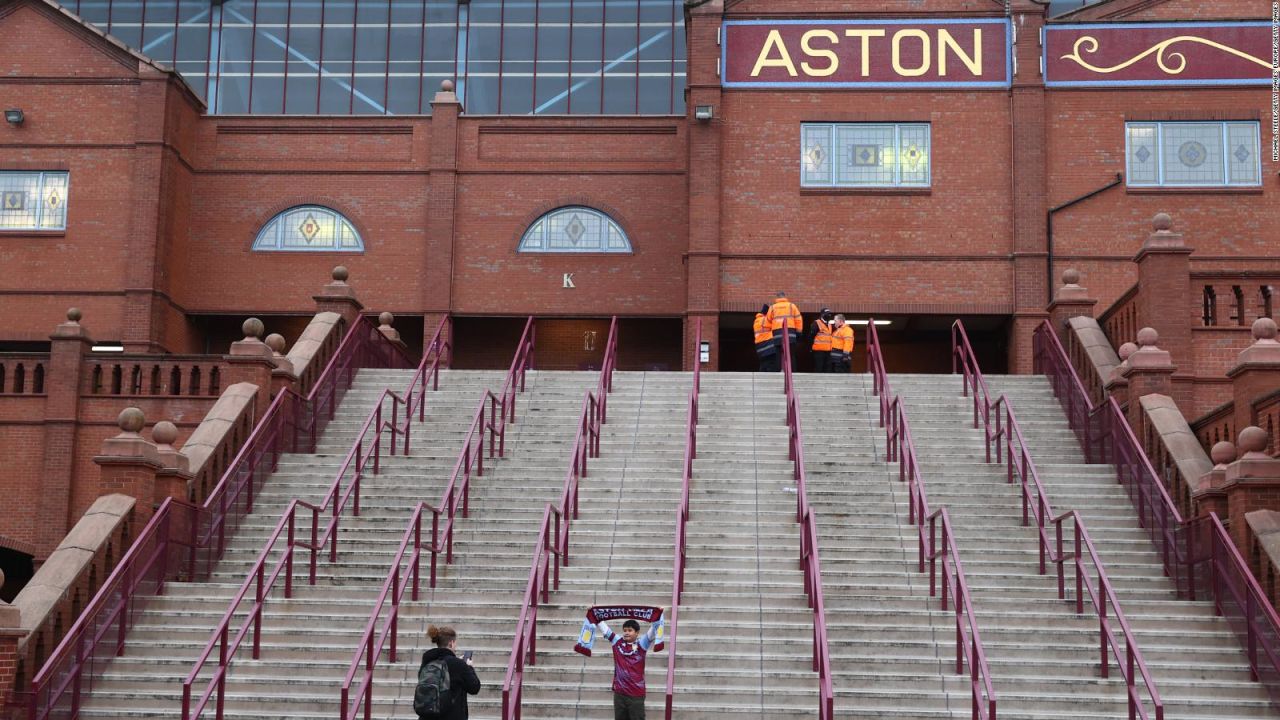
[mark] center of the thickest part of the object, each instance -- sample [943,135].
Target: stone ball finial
[74,314]
[1070,276]
[131,420]
[253,328]
[385,319]
[340,274]
[164,433]
[1148,337]
[1126,350]
[275,341]
[1162,222]
[446,85]
[1264,328]
[1252,439]
[1223,453]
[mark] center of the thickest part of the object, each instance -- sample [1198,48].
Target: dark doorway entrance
[911,343]
[568,343]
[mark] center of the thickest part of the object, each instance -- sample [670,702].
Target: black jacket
[463,680]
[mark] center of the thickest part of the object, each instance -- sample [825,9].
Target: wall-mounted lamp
[704,113]
[14,116]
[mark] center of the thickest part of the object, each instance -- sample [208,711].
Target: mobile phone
[466,655]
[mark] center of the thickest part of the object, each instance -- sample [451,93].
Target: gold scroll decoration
[1089,45]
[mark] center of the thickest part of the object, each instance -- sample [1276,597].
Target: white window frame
[39,225]
[897,182]
[1224,149]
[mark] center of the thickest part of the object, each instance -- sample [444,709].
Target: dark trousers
[821,361]
[837,365]
[626,707]
[770,362]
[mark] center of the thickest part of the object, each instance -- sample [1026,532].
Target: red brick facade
[165,202]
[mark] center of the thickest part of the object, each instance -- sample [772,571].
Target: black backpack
[433,698]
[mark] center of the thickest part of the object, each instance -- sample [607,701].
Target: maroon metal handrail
[285,425]
[809,555]
[969,653]
[98,635]
[1227,579]
[454,499]
[962,357]
[1021,467]
[524,646]
[900,448]
[682,517]
[372,643]
[551,549]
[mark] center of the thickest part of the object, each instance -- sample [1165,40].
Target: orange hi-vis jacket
[784,314]
[821,336]
[761,329]
[843,340]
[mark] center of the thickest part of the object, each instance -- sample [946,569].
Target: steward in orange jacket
[822,341]
[841,347]
[784,318]
[766,349]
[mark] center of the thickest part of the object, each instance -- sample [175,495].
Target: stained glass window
[309,228]
[1193,154]
[865,155]
[575,229]
[33,200]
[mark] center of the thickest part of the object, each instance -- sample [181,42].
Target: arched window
[575,229]
[309,228]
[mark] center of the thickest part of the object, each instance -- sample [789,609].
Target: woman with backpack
[444,679]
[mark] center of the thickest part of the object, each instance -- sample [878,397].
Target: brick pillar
[441,191]
[1164,299]
[1209,496]
[1028,115]
[129,463]
[1070,301]
[1117,385]
[1257,371]
[283,376]
[702,279]
[64,378]
[10,633]
[145,304]
[174,477]
[1149,370]
[252,361]
[1251,483]
[339,297]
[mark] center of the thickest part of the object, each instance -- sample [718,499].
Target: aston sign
[863,53]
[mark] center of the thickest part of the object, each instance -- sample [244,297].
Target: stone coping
[71,559]
[1182,444]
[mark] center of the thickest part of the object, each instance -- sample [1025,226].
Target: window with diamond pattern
[864,155]
[33,200]
[1193,154]
[309,228]
[575,229]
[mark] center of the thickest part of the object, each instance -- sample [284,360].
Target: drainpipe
[1049,225]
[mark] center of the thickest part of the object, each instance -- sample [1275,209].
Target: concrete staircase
[308,641]
[744,634]
[1044,658]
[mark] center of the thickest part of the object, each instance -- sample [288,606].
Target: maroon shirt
[628,663]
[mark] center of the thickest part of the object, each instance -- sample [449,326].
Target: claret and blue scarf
[600,613]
